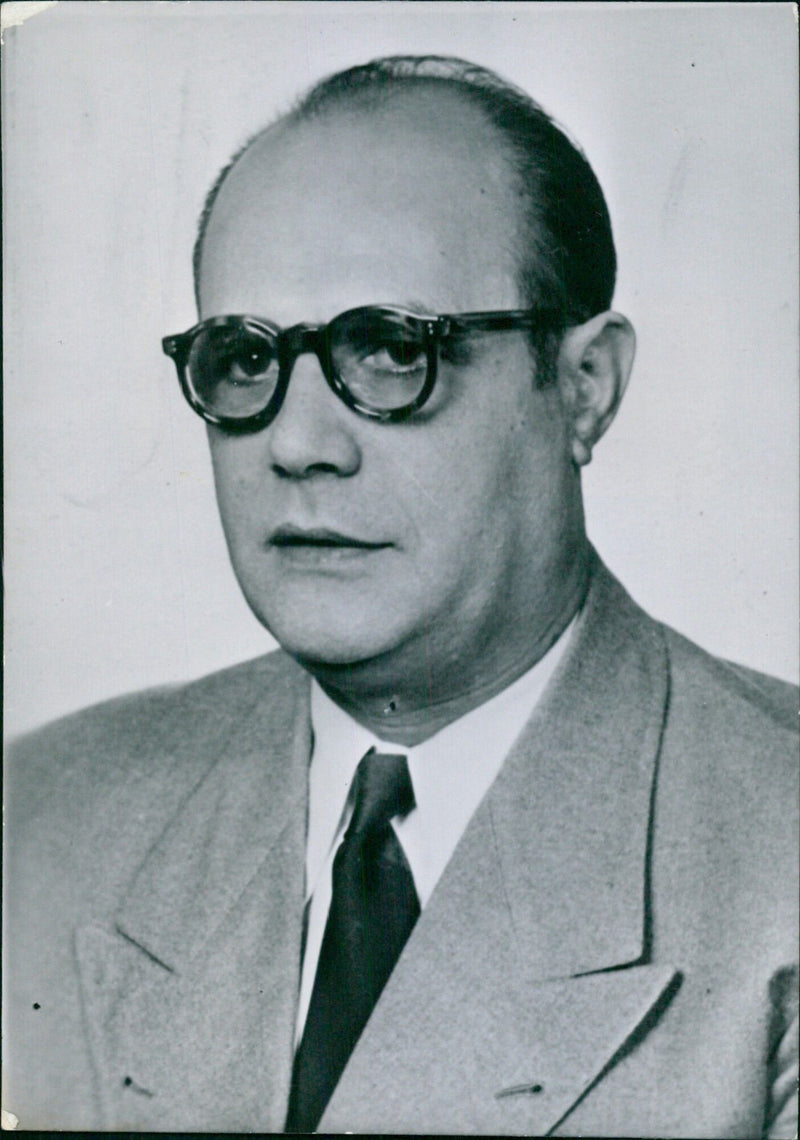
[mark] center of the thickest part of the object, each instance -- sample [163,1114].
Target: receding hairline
[360,104]
[565,257]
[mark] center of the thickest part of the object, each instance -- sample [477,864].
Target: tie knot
[383,791]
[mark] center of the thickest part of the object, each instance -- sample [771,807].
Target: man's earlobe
[594,365]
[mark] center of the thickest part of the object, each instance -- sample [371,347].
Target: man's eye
[394,356]
[243,364]
[245,369]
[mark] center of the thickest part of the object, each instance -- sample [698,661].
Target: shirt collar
[450,772]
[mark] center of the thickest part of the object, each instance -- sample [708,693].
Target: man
[483,848]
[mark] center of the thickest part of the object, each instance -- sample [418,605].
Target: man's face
[465,510]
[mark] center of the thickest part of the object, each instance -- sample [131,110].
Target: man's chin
[329,654]
[334,644]
[334,620]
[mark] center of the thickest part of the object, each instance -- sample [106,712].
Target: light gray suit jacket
[610,950]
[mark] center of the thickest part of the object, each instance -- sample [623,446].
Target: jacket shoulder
[127,739]
[730,768]
[733,733]
[715,684]
[725,818]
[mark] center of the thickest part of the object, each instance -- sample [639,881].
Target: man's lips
[298,538]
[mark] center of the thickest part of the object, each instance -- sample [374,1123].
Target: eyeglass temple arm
[490,321]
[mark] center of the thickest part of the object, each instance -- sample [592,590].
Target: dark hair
[567,263]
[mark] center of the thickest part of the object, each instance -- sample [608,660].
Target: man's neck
[392,706]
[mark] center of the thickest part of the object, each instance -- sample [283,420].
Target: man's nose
[314,432]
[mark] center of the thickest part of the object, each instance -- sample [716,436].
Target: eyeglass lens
[233,369]
[379,356]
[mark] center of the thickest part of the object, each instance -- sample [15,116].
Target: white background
[117,117]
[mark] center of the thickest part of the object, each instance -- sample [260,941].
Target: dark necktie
[374,906]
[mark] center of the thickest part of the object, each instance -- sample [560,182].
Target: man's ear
[594,363]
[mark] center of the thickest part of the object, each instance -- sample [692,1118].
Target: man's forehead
[405,122]
[410,179]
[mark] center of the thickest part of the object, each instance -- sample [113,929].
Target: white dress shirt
[450,773]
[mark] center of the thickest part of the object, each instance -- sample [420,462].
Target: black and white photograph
[401,567]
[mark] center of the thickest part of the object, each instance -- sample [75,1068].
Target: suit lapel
[191,991]
[510,1000]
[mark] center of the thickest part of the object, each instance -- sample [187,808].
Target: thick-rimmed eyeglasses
[380,360]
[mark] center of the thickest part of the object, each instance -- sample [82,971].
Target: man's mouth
[293,538]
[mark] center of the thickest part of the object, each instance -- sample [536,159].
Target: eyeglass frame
[302,338]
